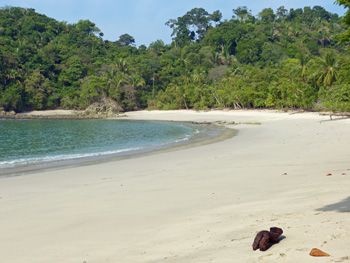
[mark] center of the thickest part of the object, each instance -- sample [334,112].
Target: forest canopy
[284,59]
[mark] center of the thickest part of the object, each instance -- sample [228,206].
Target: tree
[190,27]
[181,33]
[73,70]
[157,47]
[272,53]
[267,15]
[38,89]
[241,12]
[216,16]
[281,13]
[126,40]
[241,62]
[223,38]
[87,27]
[326,69]
[321,13]
[345,37]
[93,88]
[122,65]
[303,61]
[248,51]
[199,18]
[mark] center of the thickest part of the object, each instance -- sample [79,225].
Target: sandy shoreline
[202,204]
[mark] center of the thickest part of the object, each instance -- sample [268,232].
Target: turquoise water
[37,142]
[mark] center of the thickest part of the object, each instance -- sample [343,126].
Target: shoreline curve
[199,204]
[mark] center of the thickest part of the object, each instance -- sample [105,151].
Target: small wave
[187,137]
[63,157]
[58,158]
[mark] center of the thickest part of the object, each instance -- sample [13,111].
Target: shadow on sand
[341,207]
[270,244]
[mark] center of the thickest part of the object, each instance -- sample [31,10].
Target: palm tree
[115,81]
[344,70]
[325,37]
[227,59]
[136,80]
[122,65]
[302,71]
[327,69]
[198,78]
[178,93]
[215,58]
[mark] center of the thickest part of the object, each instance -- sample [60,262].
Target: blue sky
[145,19]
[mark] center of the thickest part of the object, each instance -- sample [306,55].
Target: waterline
[161,136]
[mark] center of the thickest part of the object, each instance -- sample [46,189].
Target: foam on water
[37,142]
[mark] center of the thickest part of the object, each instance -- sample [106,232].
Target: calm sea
[39,142]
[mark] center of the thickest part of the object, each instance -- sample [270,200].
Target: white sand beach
[200,204]
[49,112]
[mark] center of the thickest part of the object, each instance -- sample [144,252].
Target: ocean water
[25,143]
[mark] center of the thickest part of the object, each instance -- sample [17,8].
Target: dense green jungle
[281,59]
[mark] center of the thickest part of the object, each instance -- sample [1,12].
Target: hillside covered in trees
[285,59]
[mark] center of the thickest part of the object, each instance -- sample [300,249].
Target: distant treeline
[285,59]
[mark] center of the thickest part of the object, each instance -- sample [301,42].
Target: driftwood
[264,237]
[337,114]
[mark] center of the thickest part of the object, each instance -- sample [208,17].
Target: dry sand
[50,112]
[201,204]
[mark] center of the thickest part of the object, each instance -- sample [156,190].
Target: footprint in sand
[302,249]
[342,259]
[239,239]
[308,232]
[282,255]
[264,256]
[341,235]
[324,243]
[344,228]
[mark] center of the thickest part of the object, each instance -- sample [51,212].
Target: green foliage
[92,89]
[38,90]
[286,59]
[267,15]
[336,98]
[345,37]
[272,53]
[326,69]
[125,40]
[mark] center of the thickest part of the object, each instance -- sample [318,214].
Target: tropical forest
[280,59]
